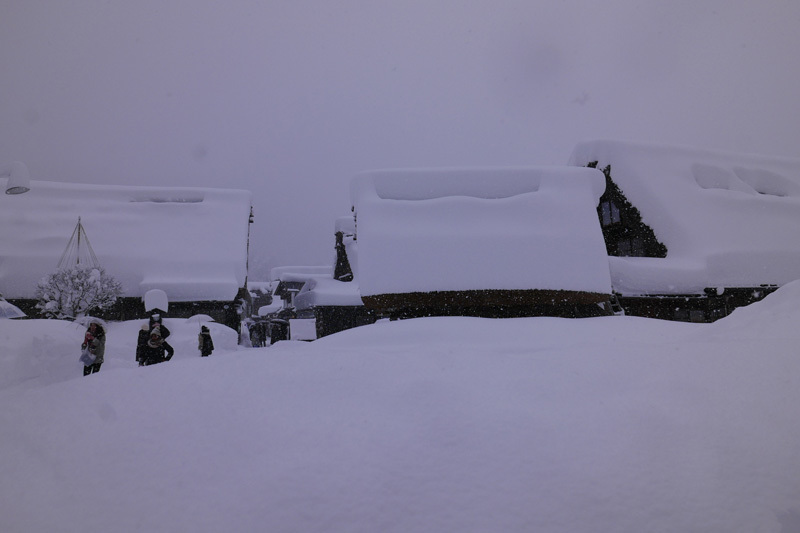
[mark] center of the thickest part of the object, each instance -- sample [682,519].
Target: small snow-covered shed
[289,280]
[192,243]
[692,233]
[334,303]
[481,241]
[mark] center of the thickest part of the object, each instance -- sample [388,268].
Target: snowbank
[42,352]
[617,424]
[776,316]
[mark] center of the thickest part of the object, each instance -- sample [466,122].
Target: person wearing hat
[155,348]
[145,354]
[156,320]
[94,341]
[204,342]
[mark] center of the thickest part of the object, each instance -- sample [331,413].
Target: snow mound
[775,315]
[46,353]
[620,424]
[42,352]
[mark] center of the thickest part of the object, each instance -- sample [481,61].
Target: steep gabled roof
[190,242]
[474,229]
[727,220]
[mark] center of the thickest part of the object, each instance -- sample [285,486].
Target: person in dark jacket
[156,349]
[145,341]
[204,342]
[141,343]
[156,320]
[95,342]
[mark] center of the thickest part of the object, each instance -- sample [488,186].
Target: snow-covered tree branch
[72,292]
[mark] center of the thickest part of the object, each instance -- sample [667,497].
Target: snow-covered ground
[440,424]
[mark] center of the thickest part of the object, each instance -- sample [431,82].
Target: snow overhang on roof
[453,229]
[292,278]
[299,273]
[328,292]
[727,220]
[345,225]
[192,242]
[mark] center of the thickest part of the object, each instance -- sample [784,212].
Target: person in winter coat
[95,342]
[204,342]
[156,320]
[141,343]
[156,349]
[143,352]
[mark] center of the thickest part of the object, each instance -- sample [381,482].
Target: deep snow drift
[437,424]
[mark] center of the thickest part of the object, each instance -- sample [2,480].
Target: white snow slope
[616,424]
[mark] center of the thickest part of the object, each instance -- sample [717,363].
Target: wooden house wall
[707,307]
[332,319]
[132,308]
[489,303]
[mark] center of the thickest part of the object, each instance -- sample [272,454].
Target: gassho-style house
[495,242]
[666,232]
[192,243]
[692,234]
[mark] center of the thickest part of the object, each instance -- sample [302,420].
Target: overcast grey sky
[290,98]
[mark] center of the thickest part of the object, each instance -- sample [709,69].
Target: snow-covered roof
[299,273]
[260,286]
[189,242]
[293,278]
[346,225]
[457,229]
[328,292]
[727,220]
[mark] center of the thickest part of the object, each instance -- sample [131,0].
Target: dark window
[610,213]
[637,247]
